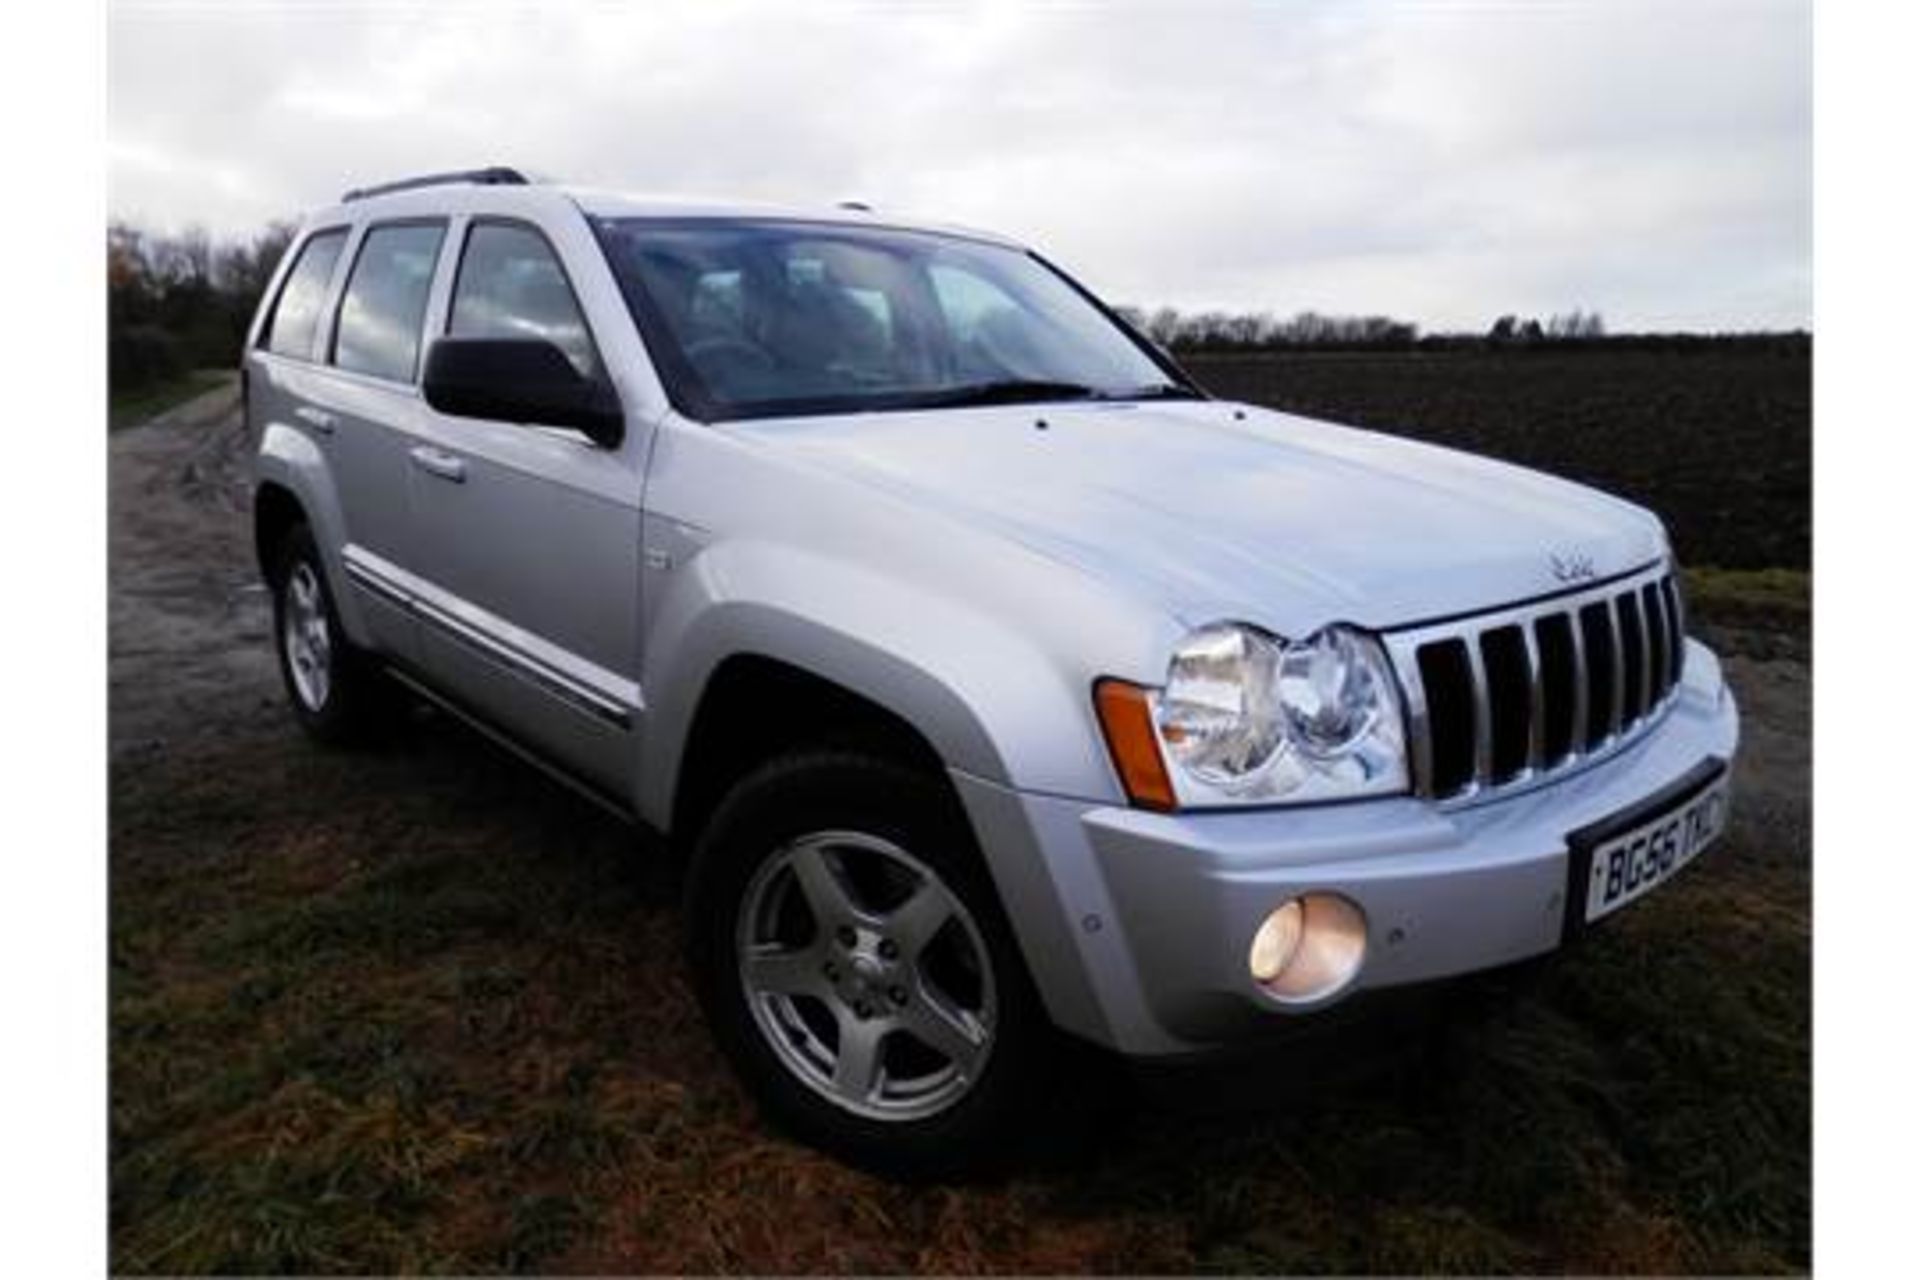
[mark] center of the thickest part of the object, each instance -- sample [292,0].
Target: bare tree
[181,301]
[1164,326]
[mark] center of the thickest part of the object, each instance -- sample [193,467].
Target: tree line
[179,302]
[1263,331]
[1252,332]
[182,301]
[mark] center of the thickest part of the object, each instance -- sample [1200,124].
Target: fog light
[1308,947]
[1276,942]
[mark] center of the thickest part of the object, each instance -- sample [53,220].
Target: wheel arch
[292,482]
[754,707]
[276,510]
[904,712]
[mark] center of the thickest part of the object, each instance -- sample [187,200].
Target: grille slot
[1518,693]
[1503,653]
[1676,632]
[1633,657]
[1447,677]
[1603,673]
[1654,608]
[1559,685]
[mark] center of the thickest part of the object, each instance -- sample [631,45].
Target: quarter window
[290,330]
[512,286]
[386,301]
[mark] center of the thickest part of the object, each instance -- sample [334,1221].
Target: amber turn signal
[1127,721]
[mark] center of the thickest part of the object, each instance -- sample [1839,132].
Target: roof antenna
[858,206]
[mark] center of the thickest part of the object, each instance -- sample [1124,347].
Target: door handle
[438,462]
[319,419]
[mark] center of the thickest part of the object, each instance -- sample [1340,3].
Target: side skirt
[499,737]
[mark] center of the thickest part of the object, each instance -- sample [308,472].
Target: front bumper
[1136,924]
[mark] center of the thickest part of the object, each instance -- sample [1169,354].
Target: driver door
[530,536]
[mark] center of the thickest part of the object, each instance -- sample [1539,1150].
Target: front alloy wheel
[859,971]
[866,975]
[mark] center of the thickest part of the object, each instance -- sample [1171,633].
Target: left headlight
[1246,718]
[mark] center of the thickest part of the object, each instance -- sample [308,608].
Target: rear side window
[290,329]
[511,285]
[386,301]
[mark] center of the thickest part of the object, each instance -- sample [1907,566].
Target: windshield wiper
[1024,390]
[1006,391]
[1155,391]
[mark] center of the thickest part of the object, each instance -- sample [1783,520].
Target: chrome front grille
[1501,700]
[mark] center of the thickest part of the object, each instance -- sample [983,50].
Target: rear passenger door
[368,410]
[529,536]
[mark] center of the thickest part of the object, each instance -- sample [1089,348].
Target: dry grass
[127,408]
[420,1011]
[1759,599]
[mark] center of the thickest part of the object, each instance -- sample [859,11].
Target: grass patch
[447,1028]
[1767,599]
[128,408]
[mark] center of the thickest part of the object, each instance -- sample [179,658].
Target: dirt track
[188,619]
[420,1008]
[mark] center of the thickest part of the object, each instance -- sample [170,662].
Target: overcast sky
[1440,162]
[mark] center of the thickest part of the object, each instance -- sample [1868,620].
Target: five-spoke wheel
[866,974]
[338,693]
[307,637]
[858,968]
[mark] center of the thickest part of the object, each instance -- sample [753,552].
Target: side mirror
[519,380]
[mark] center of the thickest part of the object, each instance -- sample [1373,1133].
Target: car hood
[1221,511]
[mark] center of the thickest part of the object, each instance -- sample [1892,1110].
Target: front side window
[511,286]
[386,301]
[290,329]
[767,318]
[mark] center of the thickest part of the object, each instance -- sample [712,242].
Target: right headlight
[1247,718]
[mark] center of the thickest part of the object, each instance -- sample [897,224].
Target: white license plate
[1630,864]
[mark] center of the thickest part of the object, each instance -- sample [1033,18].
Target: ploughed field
[1717,439]
[419,1009]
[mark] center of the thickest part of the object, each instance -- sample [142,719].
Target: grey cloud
[1438,161]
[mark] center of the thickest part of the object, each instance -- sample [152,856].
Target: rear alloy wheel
[338,694]
[858,970]
[308,638]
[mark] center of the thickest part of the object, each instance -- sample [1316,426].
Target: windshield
[771,318]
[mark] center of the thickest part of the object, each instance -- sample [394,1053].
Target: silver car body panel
[975,575]
[595,689]
[1218,511]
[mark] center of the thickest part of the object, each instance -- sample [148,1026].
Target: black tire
[848,791]
[357,701]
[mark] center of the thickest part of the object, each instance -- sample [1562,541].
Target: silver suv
[1001,684]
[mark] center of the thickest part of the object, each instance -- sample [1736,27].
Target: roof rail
[495,176]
